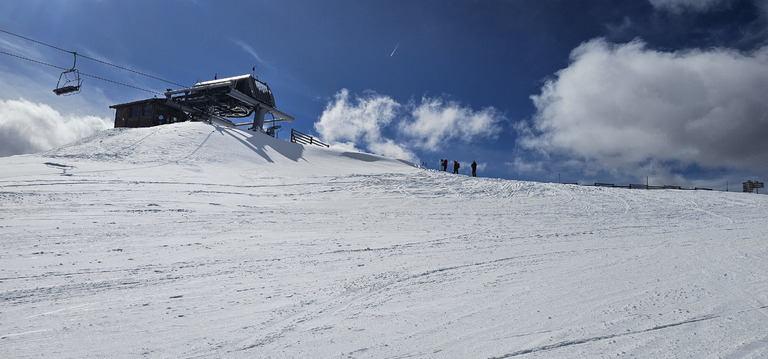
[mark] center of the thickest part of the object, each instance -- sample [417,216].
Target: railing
[645,186]
[305,139]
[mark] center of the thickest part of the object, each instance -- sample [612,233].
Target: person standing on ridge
[474,169]
[444,164]
[456,167]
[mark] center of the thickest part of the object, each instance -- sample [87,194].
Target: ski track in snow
[194,241]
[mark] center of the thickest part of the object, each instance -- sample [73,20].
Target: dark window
[148,110]
[134,112]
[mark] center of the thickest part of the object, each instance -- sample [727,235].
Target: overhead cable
[92,59]
[81,73]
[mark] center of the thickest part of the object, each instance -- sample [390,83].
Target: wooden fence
[305,139]
[645,186]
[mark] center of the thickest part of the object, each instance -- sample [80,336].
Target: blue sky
[585,91]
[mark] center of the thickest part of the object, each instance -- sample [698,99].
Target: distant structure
[210,101]
[750,186]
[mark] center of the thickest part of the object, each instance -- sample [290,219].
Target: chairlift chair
[273,129]
[69,81]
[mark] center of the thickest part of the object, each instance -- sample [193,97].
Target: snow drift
[190,240]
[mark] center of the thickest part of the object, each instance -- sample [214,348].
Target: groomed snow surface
[190,240]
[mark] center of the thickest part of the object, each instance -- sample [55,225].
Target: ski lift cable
[82,73]
[92,59]
[33,60]
[120,83]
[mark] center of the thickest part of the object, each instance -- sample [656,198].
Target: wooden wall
[146,113]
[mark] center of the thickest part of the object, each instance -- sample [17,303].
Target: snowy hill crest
[195,241]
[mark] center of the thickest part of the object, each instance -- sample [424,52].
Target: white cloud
[363,121]
[435,122]
[389,148]
[352,119]
[520,165]
[27,127]
[248,49]
[359,121]
[681,5]
[624,106]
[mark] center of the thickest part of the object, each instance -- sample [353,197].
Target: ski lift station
[211,101]
[147,113]
[217,101]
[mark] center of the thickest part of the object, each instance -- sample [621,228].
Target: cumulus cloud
[27,127]
[350,122]
[390,148]
[435,121]
[681,5]
[625,106]
[352,119]
[521,165]
[379,124]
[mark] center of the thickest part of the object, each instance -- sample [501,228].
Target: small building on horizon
[147,113]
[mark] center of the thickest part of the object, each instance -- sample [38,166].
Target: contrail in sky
[393,51]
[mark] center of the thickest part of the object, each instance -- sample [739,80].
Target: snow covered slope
[195,241]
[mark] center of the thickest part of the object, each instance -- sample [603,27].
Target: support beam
[258,118]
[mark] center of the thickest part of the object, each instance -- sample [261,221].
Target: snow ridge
[190,240]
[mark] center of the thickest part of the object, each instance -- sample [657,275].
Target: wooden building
[146,113]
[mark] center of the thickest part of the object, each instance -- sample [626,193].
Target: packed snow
[191,240]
